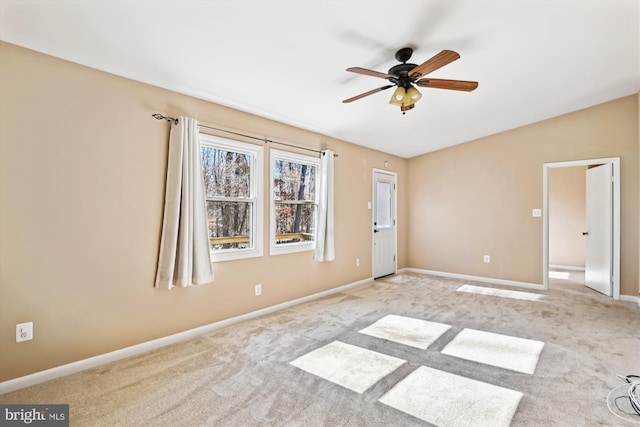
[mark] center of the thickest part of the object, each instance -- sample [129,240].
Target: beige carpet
[242,375]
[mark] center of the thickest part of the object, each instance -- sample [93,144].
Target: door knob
[585,233]
[375,231]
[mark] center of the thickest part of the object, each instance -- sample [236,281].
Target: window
[383,204]
[233,185]
[294,202]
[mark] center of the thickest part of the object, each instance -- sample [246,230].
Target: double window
[233,189]
[233,181]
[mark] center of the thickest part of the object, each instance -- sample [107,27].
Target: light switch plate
[536,213]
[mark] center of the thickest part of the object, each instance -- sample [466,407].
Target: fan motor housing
[402,73]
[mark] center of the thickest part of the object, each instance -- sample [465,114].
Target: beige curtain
[325,250]
[184,258]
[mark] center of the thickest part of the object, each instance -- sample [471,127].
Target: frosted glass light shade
[413,95]
[398,97]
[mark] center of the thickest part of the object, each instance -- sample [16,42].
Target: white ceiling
[286,60]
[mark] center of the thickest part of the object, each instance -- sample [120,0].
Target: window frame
[256,190]
[287,248]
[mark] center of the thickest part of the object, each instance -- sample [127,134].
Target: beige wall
[82,169]
[567,216]
[476,198]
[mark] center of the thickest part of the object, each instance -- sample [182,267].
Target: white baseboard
[630,298]
[134,350]
[565,267]
[478,278]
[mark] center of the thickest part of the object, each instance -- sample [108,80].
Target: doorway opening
[601,258]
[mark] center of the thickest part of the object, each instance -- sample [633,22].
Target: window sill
[235,255]
[291,248]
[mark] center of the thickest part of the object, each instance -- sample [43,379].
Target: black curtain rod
[173,120]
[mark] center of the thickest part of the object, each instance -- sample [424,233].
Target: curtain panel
[325,249]
[184,258]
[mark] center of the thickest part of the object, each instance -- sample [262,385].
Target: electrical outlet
[24,331]
[487,259]
[258,290]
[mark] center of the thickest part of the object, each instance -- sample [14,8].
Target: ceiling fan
[404,76]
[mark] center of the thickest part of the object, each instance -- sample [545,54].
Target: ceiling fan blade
[448,84]
[366,72]
[440,60]
[371,92]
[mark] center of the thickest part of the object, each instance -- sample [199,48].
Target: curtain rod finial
[159,116]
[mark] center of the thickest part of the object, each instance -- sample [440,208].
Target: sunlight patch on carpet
[406,330]
[503,351]
[505,293]
[349,366]
[449,400]
[398,278]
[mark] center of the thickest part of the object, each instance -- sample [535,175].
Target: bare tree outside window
[227,180]
[294,188]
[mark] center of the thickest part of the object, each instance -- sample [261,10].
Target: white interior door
[384,224]
[598,262]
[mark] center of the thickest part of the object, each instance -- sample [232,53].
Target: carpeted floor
[246,374]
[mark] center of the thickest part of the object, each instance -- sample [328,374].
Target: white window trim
[298,246]
[257,185]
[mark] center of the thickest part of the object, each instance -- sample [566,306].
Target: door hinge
[394,258]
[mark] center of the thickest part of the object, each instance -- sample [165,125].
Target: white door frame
[395,216]
[615,163]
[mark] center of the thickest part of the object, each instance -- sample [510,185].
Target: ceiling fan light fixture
[405,98]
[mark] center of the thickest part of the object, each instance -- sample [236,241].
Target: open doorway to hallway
[567,222]
[581,217]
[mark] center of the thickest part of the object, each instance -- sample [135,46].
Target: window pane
[294,181]
[383,204]
[294,222]
[229,224]
[226,173]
